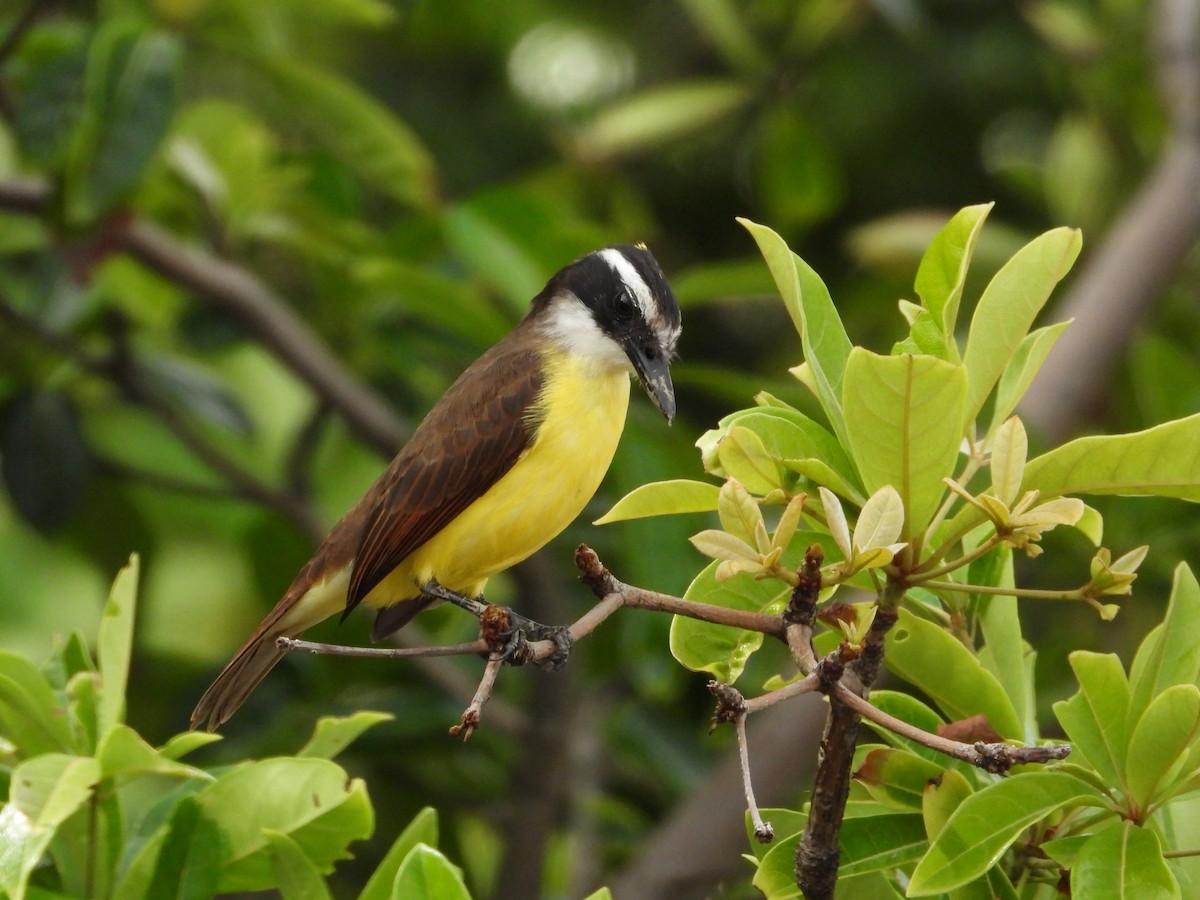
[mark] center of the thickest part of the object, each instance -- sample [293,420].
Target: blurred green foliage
[407,175]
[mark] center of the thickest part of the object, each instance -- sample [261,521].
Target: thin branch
[993,757]
[470,648]
[471,715]
[1028,593]
[604,585]
[763,832]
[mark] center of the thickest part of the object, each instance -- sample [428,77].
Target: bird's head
[614,307]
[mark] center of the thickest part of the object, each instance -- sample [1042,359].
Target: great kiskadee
[502,463]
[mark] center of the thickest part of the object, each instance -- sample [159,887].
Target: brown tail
[248,667]
[304,605]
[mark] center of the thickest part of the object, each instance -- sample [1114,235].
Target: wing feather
[469,440]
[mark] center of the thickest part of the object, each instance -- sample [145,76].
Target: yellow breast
[582,413]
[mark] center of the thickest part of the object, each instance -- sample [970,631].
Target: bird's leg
[512,629]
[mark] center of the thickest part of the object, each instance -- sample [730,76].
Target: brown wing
[474,434]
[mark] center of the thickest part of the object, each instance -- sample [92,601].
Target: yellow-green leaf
[663,498]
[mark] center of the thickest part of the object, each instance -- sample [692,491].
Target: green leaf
[775,876]
[792,439]
[44,792]
[663,498]
[925,336]
[922,653]
[657,116]
[1008,307]
[296,878]
[602,894]
[1009,452]
[1123,861]
[880,521]
[1141,464]
[743,456]
[31,715]
[423,829]
[334,734]
[115,644]
[797,169]
[1170,653]
[122,751]
[727,30]
[903,427]
[44,458]
[941,798]
[1005,653]
[874,843]
[51,97]
[1064,851]
[83,703]
[312,800]
[1096,718]
[427,875]
[911,710]
[826,346]
[447,301]
[1159,743]
[1026,362]
[787,823]
[987,823]
[182,744]
[131,88]
[740,516]
[943,269]
[182,860]
[718,649]
[358,130]
[1153,462]
[896,778]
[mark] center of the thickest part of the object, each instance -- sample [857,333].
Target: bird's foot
[507,633]
[522,630]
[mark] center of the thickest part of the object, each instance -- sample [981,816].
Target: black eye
[623,305]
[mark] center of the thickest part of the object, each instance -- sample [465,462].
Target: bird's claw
[512,642]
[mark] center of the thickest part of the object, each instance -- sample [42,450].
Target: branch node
[802,607]
[593,573]
[731,703]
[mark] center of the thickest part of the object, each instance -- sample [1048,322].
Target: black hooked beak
[653,367]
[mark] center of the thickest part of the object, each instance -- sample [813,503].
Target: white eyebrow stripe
[629,274]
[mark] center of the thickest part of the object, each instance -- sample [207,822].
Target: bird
[502,463]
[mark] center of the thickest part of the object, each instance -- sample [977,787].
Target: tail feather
[305,604]
[248,667]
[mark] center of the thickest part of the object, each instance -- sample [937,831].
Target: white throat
[570,325]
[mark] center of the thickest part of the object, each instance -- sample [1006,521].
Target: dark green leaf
[189,862]
[43,458]
[131,95]
[51,101]
[358,130]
